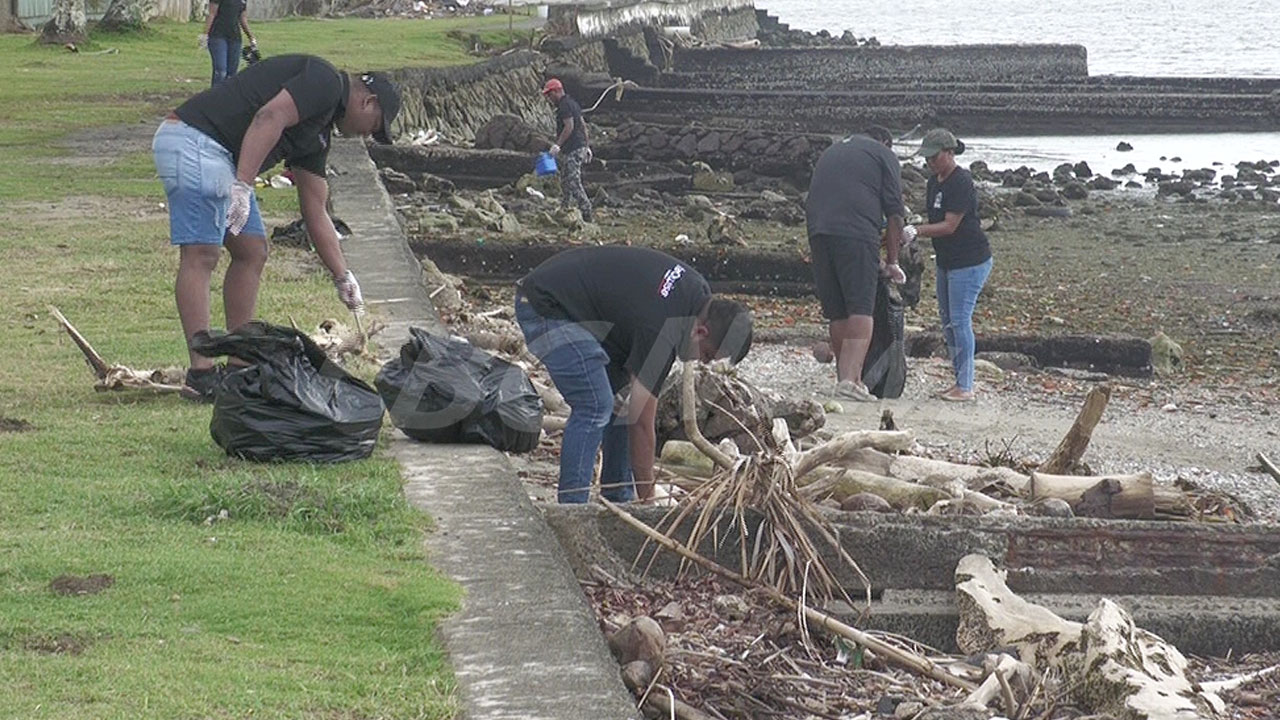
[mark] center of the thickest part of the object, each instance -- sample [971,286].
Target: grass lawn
[312,597]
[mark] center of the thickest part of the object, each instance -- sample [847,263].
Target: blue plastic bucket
[544,165]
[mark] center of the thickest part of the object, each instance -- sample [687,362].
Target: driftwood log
[1107,665]
[1066,458]
[1133,497]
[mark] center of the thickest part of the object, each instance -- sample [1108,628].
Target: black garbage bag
[885,369]
[446,390]
[290,402]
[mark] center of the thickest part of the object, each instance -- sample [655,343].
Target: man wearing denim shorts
[208,153]
[605,319]
[856,182]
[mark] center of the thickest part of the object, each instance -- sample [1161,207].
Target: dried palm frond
[783,540]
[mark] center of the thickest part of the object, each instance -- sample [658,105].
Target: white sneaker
[854,391]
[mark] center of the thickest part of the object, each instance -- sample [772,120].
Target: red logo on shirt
[669,280]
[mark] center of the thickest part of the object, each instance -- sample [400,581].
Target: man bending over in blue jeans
[602,319]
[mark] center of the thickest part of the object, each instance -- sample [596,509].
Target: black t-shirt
[223,112]
[856,183]
[569,108]
[968,245]
[227,22]
[641,304]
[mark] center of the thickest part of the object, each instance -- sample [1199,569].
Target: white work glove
[349,291]
[238,208]
[590,156]
[253,43]
[555,150]
[895,274]
[203,41]
[909,233]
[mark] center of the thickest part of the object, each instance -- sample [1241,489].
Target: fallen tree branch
[1067,456]
[91,356]
[689,415]
[1269,466]
[902,658]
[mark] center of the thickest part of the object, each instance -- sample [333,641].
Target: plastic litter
[445,390]
[291,402]
[544,165]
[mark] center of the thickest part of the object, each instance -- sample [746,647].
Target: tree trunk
[127,14]
[67,24]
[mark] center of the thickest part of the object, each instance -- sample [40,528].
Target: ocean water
[1191,38]
[1233,38]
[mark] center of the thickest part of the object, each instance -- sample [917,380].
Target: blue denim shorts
[197,174]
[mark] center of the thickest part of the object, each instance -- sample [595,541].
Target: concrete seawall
[846,68]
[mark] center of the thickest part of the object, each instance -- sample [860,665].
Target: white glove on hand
[895,274]
[555,150]
[238,209]
[253,43]
[908,233]
[349,291]
[590,156]
[203,41]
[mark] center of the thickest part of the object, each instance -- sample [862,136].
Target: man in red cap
[570,147]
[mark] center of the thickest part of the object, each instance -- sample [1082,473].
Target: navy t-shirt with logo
[569,108]
[319,91]
[968,245]
[641,305]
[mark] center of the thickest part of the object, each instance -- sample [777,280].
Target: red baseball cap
[552,84]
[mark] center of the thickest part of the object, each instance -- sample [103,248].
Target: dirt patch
[81,207]
[107,144]
[15,425]
[78,585]
[57,644]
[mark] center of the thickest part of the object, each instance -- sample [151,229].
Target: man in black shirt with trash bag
[208,153]
[606,319]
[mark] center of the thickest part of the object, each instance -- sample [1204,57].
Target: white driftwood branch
[844,445]
[1111,666]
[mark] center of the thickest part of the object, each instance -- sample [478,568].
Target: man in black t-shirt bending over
[208,153]
[603,319]
[570,148]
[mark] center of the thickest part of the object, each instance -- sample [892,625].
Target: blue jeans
[225,53]
[957,297]
[576,362]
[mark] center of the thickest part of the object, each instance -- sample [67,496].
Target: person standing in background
[570,148]
[962,250]
[222,26]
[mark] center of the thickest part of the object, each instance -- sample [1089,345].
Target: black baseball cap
[388,99]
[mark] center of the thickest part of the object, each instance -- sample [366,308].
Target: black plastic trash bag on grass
[291,402]
[446,390]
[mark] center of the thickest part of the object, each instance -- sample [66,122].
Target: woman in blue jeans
[221,36]
[962,250]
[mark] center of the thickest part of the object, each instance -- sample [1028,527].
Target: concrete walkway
[525,645]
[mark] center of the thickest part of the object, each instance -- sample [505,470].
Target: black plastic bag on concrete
[885,369]
[446,390]
[291,402]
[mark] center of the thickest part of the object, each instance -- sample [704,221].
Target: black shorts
[845,271]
